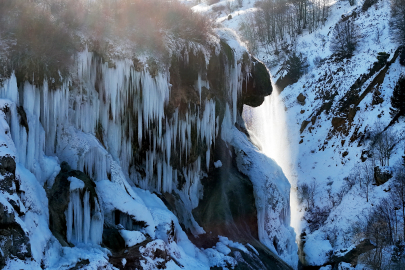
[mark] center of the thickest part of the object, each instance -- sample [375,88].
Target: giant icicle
[82,226]
[125,109]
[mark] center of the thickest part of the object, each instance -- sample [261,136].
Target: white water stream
[269,124]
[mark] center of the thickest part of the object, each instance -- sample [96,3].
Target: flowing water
[269,124]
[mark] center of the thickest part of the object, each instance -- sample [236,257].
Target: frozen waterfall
[82,227]
[270,125]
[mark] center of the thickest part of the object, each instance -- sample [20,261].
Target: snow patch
[132,237]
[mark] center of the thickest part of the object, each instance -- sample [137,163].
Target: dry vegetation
[38,38]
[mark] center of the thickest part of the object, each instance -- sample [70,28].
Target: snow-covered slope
[330,132]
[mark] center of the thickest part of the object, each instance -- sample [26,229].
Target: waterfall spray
[270,125]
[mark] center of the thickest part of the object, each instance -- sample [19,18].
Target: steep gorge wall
[142,125]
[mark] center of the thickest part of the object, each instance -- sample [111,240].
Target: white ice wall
[125,107]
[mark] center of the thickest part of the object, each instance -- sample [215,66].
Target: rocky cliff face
[154,155]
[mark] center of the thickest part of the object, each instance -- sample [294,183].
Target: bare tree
[398,99]
[397,256]
[399,190]
[383,143]
[306,193]
[381,231]
[249,34]
[280,21]
[367,177]
[344,38]
[397,22]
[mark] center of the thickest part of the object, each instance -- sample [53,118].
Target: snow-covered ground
[317,155]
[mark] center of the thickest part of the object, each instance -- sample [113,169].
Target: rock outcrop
[14,240]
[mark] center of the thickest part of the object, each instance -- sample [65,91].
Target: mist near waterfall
[278,140]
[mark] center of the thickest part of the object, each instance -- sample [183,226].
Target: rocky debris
[301,99]
[304,125]
[7,164]
[338,123]
[348,105]
[81,264]
[377,99]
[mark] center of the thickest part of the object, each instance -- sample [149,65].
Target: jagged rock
[23,118]
[258,85]
[112,239]
[7,170]
[14,242]
[7,164]
[138,65]
[313,120]
[228,209]
[80,264]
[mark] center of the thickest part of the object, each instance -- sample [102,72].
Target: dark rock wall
[14,241]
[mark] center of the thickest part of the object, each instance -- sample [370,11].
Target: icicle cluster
[124,109]
[82,226]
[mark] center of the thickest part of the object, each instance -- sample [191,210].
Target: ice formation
[271,190]
[111,124]
[82,227]
[124,108]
